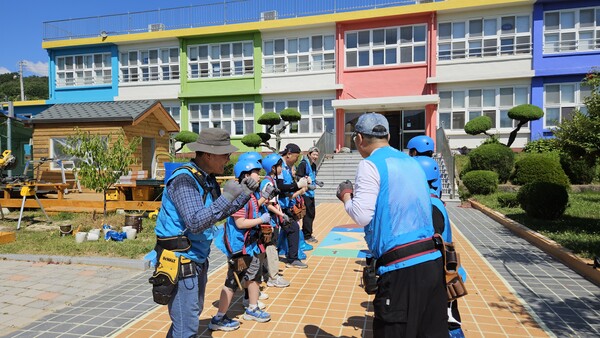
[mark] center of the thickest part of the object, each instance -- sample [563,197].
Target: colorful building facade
[424,65]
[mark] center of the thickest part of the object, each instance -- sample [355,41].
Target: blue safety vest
[284,198]
[169,223]
[311,174]
[236,237]
[403,207]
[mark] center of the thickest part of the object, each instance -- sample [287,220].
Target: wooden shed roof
[117,111]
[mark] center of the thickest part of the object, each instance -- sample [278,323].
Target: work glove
[302,183]
[231,190]
[268,192]
[319,183]
[309,179]
[266,218]
[286,218]
[312,187]
[249,185]
[344,188]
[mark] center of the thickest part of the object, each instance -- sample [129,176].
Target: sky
[21,29]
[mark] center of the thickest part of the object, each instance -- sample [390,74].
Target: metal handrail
[442,147]
[211,14]
[481,52]
[326,145]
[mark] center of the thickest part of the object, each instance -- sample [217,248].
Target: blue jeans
[187,304]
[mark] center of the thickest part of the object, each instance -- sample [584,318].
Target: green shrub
[478,125]
[495,157]
[481,182]
[463,192]
[543,200]
[542,145]
[578,171]
[539,168]
[508,200]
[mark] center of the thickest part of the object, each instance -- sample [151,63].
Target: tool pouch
[165,277]
[266,234]
[299,209]
[240,262]
[455,287]
[369,277]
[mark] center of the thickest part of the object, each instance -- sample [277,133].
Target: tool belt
[239,262]
[299,209]
[455,286]
[369,276]
[266,234]
[170,268]
[410,250]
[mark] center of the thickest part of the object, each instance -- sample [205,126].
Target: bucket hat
[213,141]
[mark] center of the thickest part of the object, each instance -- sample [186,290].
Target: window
[572,30]
[161,64]
[221,60]
[386,46]
[562,100]
[237,118]
[458,107]
[317,114]
[175,112]
[83,70]
[311,53]
[483,37]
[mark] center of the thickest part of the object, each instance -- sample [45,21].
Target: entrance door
[413,124]
[148,155]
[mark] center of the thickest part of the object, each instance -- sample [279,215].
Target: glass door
[413,124]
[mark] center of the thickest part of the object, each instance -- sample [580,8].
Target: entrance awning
[386,103]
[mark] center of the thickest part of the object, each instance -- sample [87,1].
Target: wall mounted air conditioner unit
[156,27]
[270,15]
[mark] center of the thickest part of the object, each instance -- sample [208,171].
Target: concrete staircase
[335,169]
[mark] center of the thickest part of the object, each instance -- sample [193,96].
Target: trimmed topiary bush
[508,200]
[495,157]
[478,125]
[578,171]
[539,168]
[543,200]
[481,182]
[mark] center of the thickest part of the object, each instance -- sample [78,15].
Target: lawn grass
[37,237]
[578,229]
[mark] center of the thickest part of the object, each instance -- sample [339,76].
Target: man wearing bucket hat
[191,204]
[392,202]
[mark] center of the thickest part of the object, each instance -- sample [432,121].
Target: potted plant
[182,138]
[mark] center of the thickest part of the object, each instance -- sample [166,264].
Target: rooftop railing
[211,14]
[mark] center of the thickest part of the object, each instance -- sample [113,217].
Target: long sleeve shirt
[189,203]
[361,208]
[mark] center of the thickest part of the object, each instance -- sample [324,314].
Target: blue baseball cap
[373,124]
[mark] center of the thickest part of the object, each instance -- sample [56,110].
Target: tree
[579,136]
[101,159]
[523,113]
[36,87]
[479,125]
[276,125]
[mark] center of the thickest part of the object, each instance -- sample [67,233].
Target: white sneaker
[278,282]
[263,295]
[246,303]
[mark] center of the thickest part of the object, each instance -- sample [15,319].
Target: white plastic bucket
[80,237]
[92,236]
[131,233]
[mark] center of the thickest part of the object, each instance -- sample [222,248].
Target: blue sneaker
[225,324]
[257,315]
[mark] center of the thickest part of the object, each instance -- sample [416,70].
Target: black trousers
[307,221]
[412,302]
[292,232]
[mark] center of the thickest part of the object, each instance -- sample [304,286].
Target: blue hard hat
[271,160]
[421,143]
[245,166]
[251,155]
[430,167]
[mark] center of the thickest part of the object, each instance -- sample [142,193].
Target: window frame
[312,117]
[148,71]
[571,46]
[213,121]
[83,74]
[281,62]
[204,63]
[382,47]
[470,39]
[577,104]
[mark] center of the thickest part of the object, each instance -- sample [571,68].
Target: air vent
[270,15]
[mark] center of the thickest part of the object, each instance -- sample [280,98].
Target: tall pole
[21,63]
[11,114]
